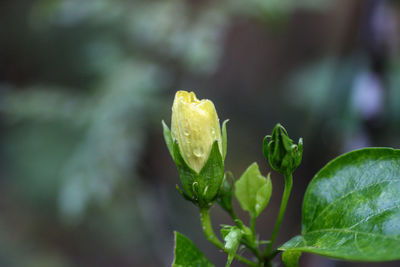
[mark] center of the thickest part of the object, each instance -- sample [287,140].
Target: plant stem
[233,215]
[210,235]
[254,247]
[207,228]
[285,198]
[253,225]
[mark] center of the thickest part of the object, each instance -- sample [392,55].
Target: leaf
[291,258]
[187,254]
[351,208]
[232,236]
[253,191]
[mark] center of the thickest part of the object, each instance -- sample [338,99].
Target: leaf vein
[356,243]
[374,215]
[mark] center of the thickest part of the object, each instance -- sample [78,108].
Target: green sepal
[187,175]
[224,139]
[183,194]
[212,175]
[253,190]
[291,258]
[187,254]
[168,139]
[202,187]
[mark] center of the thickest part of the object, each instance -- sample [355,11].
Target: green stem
[210,235]
[233,215]
[253,225]
[207,228]
[254,247]
[285,198]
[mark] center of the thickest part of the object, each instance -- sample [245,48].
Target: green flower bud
[282,154]
[197,146]
[195,127]
[225,194]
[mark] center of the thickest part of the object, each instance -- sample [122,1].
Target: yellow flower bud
[195,127]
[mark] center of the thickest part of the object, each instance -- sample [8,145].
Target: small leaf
[224,139]
[253,191]
[232,236]
[187,254]
[291,258]
[246,231]
[351,208]
[225,230]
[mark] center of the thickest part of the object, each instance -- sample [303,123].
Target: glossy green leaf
[232,236]
[351,208]
[291,258]
[253,190]
[187,254]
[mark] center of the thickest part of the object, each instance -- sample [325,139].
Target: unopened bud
[195,127]
[197,146]
[282,154]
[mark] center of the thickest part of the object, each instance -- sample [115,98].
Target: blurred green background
[85,177]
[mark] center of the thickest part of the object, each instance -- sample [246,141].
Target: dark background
[85,177]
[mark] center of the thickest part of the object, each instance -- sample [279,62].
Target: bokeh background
[85,177]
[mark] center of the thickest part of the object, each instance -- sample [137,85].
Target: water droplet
[186,132]
[198,152]
[212,131]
